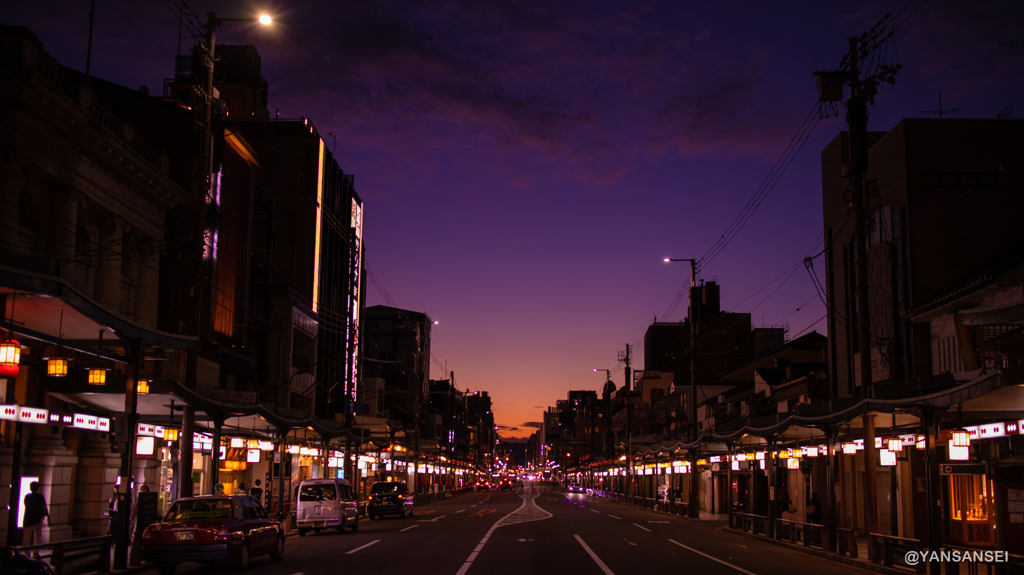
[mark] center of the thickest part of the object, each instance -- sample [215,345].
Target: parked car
[326,504]
[212,528]
[390,498]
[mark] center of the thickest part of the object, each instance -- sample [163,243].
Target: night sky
[525,166]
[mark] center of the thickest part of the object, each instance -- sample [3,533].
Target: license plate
[184,535]
[318,524]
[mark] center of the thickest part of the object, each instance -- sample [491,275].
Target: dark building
[943,196]
[397,350]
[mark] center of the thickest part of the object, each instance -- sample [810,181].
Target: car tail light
[222,534]
[148,533]
[400,496]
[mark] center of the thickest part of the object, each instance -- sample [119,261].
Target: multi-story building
[397,349]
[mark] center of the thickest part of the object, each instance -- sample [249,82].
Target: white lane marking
[614,517]
[363,547]
[741,570]
[657,521]
[460,510]
[532,513]
[642,527]
[596,511]
[408,528]
[594,556]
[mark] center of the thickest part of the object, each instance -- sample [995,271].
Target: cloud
[534,424]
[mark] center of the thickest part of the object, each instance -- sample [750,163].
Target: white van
[326,504]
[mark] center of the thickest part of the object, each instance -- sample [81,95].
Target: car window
[248,511]
[346,492]
[324,492]
[260,511]
[192,509]
[387,488]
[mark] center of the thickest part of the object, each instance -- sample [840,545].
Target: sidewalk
[861,560]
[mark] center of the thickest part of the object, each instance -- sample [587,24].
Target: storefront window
[971,498]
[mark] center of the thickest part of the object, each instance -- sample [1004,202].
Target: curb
[866,565]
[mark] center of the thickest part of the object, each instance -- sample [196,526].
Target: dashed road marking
[614,517]
[408,528]
[483,512]
[642,527]
[741,570]
[595,510]
[657,521]
[460,510]
[363,547]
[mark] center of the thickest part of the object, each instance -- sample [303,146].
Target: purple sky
[525,169]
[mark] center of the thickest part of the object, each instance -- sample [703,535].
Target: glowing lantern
[10,358]
[849,448]
[961,438]
[895,444]
[97,376]
[143,387]
[57,367]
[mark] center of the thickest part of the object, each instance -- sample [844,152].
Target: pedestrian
[241,488]
[35,512]
[112,512]
[814,509]
[256,491]
[134,516]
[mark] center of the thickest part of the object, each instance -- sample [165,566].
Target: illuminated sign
[147,429]
[887,458]
[319,227]
[32,415]
[252,456]
[144,445]
[987,431]
[792,464]
[237,442]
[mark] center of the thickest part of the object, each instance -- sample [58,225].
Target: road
[533,532]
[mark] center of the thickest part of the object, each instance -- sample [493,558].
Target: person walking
[35,512]
[241,489]
[814,513]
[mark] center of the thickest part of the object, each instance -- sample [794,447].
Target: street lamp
[694,436]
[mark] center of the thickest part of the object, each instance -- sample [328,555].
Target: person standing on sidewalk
[257,492]
[35,511]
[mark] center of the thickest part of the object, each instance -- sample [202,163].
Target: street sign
[351,406]
[364,409]
[962,468]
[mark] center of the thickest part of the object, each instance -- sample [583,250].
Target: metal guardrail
[846,542]
[750,523]
[806,534]
[75,555]
[892,551]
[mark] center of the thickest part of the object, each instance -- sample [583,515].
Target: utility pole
[693,507]
[626,357]
[857,118]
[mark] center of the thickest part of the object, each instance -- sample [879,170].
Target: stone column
[148,288]
[95,480]
[63,230]
[108,270]
[48,459]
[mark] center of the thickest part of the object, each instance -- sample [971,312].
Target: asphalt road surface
[529,532]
